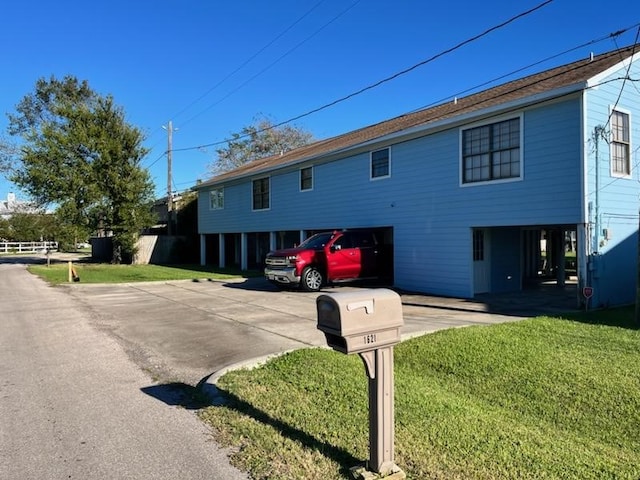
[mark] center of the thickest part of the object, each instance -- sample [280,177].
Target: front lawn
[540,398]
[58,273]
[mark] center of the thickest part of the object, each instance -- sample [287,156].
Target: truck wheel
[311,279]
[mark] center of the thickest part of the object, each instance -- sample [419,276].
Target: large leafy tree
[78,152]
[259,140]
[30,227]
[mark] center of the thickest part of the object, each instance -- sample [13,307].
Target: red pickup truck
[328,257]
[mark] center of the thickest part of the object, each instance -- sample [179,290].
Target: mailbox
[367,322]
[360,321]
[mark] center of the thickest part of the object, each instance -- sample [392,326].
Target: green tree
[29,227]
[78,152]
[5,229]
[260,140]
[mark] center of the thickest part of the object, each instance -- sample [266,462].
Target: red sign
[587,292]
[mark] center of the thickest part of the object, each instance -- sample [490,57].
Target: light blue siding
[613,272]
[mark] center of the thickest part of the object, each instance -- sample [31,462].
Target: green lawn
[58,273]
[543,398]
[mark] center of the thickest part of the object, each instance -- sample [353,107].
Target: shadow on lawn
[207,395]
[340,456]
[623,317]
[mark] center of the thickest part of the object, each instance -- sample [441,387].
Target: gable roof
[570,77]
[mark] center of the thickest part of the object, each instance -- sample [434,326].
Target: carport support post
[244,251]
[203,249]
[221,251]
[379,366]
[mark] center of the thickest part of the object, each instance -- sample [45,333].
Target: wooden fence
[27,247]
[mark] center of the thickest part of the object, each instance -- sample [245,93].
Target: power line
[625,79]
[268,67]
[383,81]
[527,67]
[541,102]
[252,57]
[157,159]
[248,60]
[606,37]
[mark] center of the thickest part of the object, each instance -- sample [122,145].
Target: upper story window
[380,164]
[491,152]
[216,199]
[306,179]
[261,193]
[620,144]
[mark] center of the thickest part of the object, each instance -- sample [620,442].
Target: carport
[525,259]
[247,250]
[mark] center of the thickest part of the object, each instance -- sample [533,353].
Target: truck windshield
[317,241]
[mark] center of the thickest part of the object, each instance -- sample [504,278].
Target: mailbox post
[367,322]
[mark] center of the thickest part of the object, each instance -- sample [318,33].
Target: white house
[464,191]
[12,205]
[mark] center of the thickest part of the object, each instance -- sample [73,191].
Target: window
[261,194]
[306,178]
[491,152]
[380,164]
[620,145]
[216,199]
[344,242]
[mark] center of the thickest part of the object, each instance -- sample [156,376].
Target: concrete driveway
[186,331]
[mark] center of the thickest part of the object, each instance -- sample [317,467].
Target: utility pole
[169,129]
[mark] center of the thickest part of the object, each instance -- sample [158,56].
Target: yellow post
[70,276]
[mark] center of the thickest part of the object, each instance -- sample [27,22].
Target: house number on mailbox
[371,338]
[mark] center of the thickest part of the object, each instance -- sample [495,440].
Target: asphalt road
[74,406]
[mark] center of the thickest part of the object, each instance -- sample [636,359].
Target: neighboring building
[11,205]
[469,192]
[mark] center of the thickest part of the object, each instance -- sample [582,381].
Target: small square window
[216,199]
[380,164]
[306,178]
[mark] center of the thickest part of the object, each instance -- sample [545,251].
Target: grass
[543,398]
[58,273]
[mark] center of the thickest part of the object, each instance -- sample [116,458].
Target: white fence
[27,247]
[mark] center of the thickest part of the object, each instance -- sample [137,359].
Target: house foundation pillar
[244,255]
[221,251]
[203,249]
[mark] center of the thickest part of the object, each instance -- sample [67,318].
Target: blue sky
[212,67]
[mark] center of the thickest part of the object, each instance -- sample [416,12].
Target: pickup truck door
[369,254]
[343,258]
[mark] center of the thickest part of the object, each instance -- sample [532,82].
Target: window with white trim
[620,144]
[380,164]
[491,152]
[260,193]
[306,179]
[216,199]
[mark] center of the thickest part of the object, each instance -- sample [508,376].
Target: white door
[481,261]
